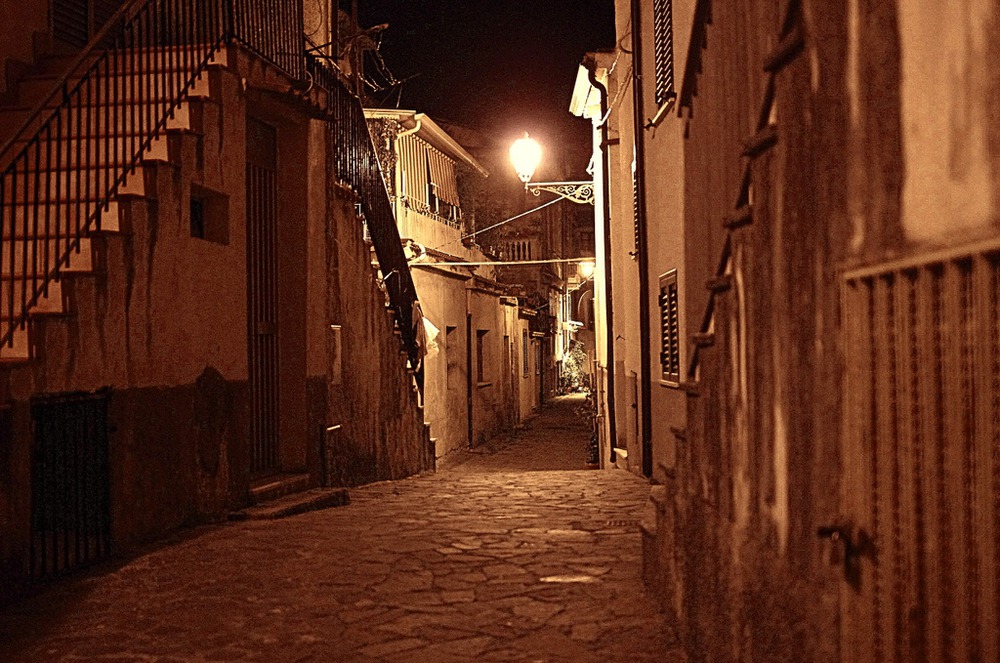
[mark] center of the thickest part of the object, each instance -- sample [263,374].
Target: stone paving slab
[482,561]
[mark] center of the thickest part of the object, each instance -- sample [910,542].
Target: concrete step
[54,185]
[21,350]
[92,122]
[87,151]
[54,303]
[274,487]
[38,256]
[19,220]
[56,65]
[294,504]
[118,88]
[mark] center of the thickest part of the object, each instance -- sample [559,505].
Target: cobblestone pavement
[489,559]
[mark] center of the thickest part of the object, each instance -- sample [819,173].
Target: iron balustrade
[358,167]
[60,172]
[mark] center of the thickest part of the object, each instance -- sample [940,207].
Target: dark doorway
[262,296]
[70,482]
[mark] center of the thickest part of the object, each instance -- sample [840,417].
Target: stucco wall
[21,22]
[948,96]
[371,395]
[443,300]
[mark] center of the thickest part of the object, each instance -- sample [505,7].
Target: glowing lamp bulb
[525,154]
[586,269]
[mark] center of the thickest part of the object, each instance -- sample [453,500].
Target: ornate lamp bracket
[581,193]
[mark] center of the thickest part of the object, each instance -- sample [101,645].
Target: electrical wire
[496,225]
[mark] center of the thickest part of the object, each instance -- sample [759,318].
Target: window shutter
[670,346]
[663,50]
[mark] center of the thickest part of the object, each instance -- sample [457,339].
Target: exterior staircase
[78,132]
[55,219]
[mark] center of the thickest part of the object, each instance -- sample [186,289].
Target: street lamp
[525,154]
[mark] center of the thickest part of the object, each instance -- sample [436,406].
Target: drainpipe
[412,131]
[609,316]
[638,104]
[468,360]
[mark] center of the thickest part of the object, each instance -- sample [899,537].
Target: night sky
[500,67]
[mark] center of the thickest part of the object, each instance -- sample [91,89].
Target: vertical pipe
[638,102]
[468,368]
[609,317]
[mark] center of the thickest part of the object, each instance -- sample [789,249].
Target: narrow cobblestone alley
[511,553]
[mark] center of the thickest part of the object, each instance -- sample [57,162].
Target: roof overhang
[427,129]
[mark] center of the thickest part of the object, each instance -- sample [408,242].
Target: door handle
[848,545]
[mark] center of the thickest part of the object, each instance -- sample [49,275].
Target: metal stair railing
[358,167]
[60,171]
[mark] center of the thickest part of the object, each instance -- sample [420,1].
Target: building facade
[191,319]
[803,259]
[474,385]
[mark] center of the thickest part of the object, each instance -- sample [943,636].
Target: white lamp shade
[525,154]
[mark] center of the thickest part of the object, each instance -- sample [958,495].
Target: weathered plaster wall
[155,323]
[373,398]
[21,22]
[948,96]
[442,294]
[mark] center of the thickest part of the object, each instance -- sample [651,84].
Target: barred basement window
[663,53]
[670,344]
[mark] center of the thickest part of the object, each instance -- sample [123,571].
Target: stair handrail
[359,167]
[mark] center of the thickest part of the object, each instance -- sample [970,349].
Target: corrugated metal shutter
[922,460]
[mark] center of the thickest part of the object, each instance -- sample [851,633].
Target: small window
[663,50]
[524,352]
[209,215]
[451,353]
[480,351]
[670,344]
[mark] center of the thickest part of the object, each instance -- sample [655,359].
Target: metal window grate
[922,445]
[663,50]
[70,483]
[670,344]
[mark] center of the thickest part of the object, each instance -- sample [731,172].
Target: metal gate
[70,483]
[262,295]
[921,488]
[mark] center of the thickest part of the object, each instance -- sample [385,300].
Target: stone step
[23,217]
[272,488]
[120,88]
[38,256]
[297,503]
